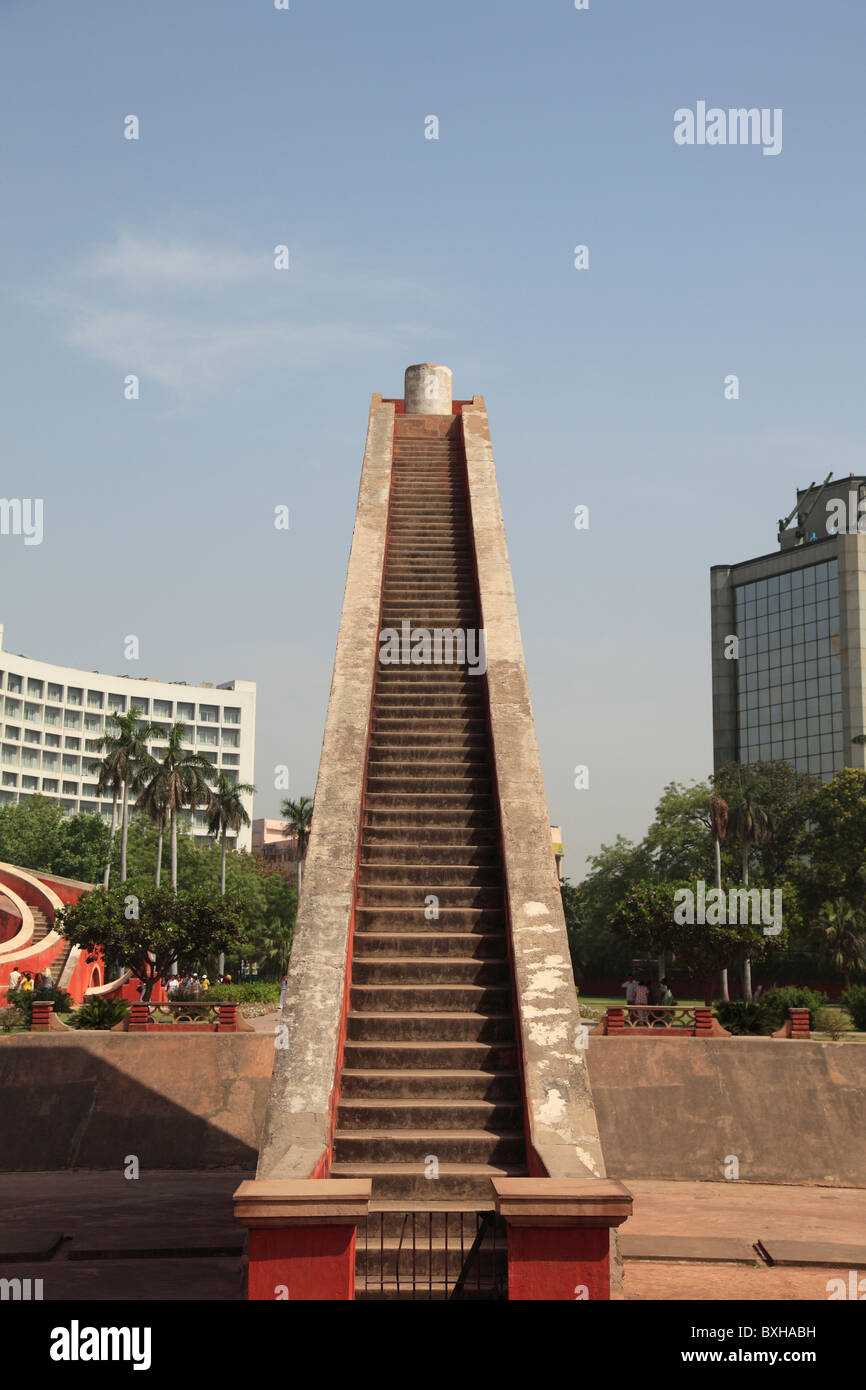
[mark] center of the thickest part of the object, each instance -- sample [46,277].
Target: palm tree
[152,800]
[841,937]
[125,749]
[226,811]
[753,825]
[299,815]
[109,780]
[719,827]
[185,779]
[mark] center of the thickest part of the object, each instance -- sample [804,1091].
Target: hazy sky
[605,386]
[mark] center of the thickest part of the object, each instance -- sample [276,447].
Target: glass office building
[791,687]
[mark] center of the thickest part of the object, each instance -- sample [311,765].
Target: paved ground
[110,1236]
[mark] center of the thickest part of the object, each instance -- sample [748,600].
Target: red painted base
[302,1263]
[558,1263]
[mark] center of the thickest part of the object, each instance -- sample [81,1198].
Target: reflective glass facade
[789,678]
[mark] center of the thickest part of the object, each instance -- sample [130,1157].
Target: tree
[648,919]
[226,811]
[125,749]
[719,827]
[753,822]
[150,932]
[109,780]
[299,816]
[837,843]
[841,937]
[37,834]
[186,780]
[152,800]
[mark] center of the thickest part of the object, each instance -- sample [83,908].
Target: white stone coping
[298,1121]
[561,1118]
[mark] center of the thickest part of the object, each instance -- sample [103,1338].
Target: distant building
[789,637]
[54,716]
[273,846]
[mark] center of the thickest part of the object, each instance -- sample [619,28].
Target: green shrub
[743,1020]
[854,1000]
[774,1005]
[10,1018]
[24,999]
[832,1022]
[252,993]
[100,1013]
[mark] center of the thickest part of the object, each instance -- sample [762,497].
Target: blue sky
[605,387]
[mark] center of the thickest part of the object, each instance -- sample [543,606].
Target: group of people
[193,985]
[28,981]
[646,992]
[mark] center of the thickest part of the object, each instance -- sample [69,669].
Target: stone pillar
[302,1237]
[559,1235]
[427,390]
[40,1020]
[799,1024]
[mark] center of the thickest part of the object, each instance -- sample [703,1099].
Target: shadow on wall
[88,1101]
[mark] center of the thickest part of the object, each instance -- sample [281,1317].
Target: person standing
[14,977]
[641,998]
[629,985]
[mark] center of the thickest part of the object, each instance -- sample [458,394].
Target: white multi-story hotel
[53,717]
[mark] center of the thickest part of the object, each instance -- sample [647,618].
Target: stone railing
[188,1016]
[686,1021]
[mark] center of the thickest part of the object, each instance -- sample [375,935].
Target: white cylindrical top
[427,390]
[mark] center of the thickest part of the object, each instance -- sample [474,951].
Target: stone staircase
[430,1098]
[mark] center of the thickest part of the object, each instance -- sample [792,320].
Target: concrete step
[421,1115]
[393,853]
[426,874]
[413,1146]
[392,1026]
[411,895]
[430,1054]
[394,918]
[430,998]
[374,836]
[428,1084]
[462,946]
[434,970]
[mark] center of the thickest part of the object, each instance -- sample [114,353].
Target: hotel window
[33,714]
[13,709]
[89,790]
[211,757]
[92,745]
[141,705]
[13,684]
[10,779]
[231,715]
[28,758]
[209,736]
[231,760]
[12,731]
[208,714]
[92,723]
[32,736]
[87,807]
[74,695]
[160,728]
[117,702]
[34,689]
[186,713]
[94,699]
[231,738]
[49,784]
[89,767]
[54,692]
[162,709]
[70,764]
[71,719]
[52,717]
[30,784]
[52,740]
[10,753]
[70,788]
[49,762]
[70,742]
